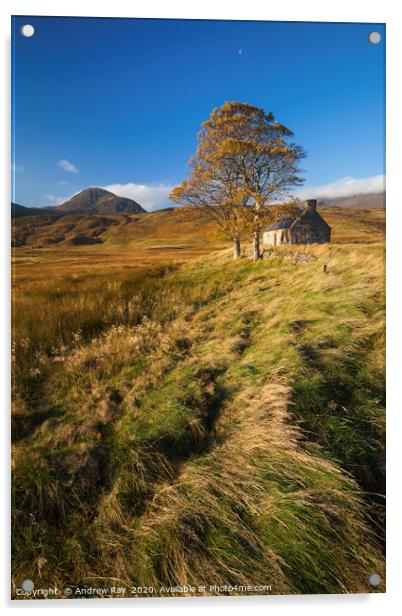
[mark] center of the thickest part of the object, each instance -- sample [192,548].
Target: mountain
[100,201]
[96,201]
[20,210]
[88,201]
[360,202]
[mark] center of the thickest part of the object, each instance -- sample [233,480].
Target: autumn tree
[221,202]
[244,160]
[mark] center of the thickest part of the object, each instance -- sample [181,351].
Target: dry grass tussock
[222,518]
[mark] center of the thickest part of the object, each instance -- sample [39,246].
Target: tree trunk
[236,248]
[256,246]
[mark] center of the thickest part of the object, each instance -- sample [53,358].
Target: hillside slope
[224,425]
[159,229]
[20,210]
[364,202]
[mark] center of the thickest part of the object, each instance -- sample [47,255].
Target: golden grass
[168,229]
[232,436]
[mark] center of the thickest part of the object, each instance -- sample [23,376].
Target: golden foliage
[244,160]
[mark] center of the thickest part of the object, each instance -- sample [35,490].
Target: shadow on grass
[340,404]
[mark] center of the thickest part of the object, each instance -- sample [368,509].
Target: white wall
[268,238]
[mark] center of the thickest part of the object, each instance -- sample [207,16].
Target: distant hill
[20,210]
[366,202]
[97,201]
[88,201]
[49,230]
[169,228]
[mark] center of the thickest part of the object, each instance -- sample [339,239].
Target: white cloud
[344,187]
[154,197]
[150,197]
[67,166]
[54,200]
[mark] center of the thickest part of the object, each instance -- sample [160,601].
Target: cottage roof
[285,223]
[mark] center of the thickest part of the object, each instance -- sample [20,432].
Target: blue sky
[118,102]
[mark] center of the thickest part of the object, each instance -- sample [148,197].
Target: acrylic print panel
[198,308]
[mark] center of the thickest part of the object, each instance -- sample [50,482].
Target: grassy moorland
[168,229]
[204,422]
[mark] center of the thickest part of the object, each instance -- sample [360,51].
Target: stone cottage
[308,228]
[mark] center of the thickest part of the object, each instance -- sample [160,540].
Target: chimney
[311,204]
